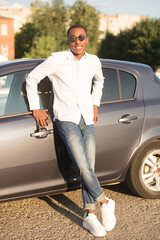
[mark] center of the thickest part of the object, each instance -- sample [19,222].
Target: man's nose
[77,40]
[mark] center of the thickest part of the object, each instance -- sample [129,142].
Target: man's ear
[87,40]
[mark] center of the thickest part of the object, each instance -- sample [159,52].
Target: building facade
[19,13]
[117,23]
[7,38]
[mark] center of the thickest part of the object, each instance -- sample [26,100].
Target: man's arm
[95,113]
[97,91]
[32,80]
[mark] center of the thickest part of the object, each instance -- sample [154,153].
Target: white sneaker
[92,224]
[108,216]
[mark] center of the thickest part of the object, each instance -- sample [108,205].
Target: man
[75,112]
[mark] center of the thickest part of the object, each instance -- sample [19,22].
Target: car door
[28,163]
[120,123]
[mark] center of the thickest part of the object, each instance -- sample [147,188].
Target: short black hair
[76,26]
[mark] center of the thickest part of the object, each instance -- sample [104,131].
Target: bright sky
[150,8]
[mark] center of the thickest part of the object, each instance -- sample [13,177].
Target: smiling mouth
[78,47]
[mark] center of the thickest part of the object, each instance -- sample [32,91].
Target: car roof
[31,63]
[128,64]
[20,62]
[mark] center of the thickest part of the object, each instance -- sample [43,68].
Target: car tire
[144,174]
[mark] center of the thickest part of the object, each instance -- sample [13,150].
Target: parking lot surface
[59,217]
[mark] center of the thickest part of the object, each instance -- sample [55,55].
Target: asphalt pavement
[60,217]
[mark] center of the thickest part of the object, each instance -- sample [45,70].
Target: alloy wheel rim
[150,171]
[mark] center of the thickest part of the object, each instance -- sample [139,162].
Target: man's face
[77,47]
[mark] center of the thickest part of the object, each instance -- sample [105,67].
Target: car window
[118,85]
[110,88]
[5,84]
[128,85]
[13,98]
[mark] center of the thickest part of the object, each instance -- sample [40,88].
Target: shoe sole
[96,235]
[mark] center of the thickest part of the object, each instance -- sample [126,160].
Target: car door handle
[127,118]
[42,133]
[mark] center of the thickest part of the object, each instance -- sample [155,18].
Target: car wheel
[144,173]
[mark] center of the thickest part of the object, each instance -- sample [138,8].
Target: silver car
[34,161]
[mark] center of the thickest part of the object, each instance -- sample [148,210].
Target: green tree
[60,21]
[139,44]
[46,21]
[109,47]
[51,20]
[145,42]
[87,15]
[42,18]
[24,39]
[43,47]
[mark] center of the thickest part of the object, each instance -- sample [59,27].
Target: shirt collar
[72,57]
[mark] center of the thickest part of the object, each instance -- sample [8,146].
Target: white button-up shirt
[72,84]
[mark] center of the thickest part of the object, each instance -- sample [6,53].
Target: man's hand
[41,117]
[95,113]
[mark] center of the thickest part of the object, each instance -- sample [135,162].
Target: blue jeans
[80,143]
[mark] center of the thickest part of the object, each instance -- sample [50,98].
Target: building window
[4,31]
[4,50]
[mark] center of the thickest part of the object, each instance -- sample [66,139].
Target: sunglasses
[81,38]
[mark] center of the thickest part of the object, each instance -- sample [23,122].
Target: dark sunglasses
[81,38]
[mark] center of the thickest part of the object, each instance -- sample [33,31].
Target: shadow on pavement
[74,212]
[121,188]
[71,210]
